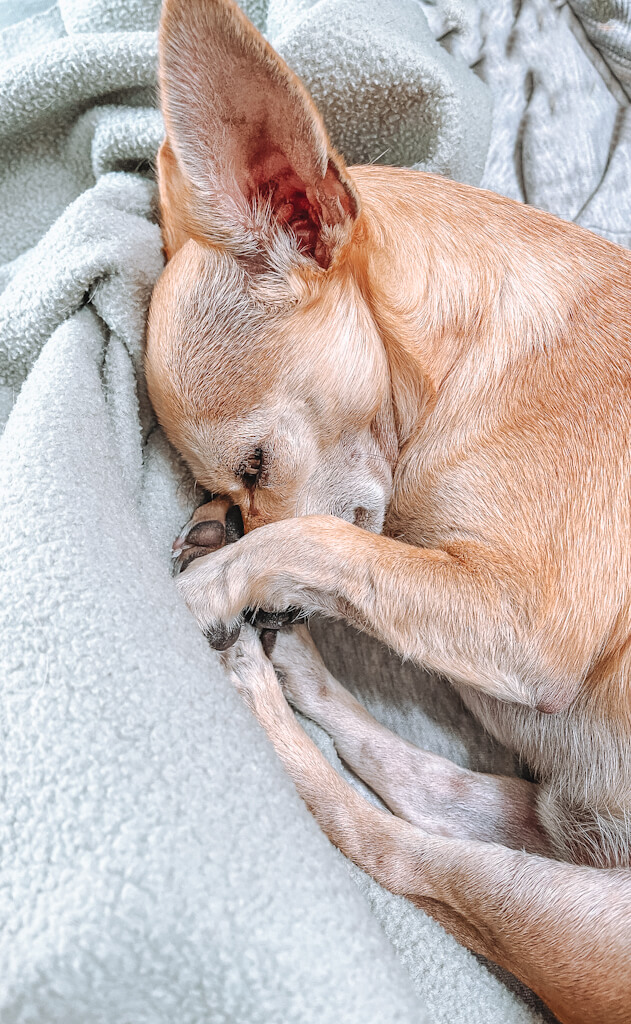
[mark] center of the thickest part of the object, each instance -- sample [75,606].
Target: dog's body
[406,353]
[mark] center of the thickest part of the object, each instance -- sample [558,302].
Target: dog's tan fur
[375,347]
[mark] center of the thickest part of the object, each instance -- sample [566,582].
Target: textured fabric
[561,136]
[156,863]
[387,90]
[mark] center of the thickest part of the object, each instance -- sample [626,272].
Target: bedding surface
[157,865]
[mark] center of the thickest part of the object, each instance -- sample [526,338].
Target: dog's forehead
[221,353]
[235,429]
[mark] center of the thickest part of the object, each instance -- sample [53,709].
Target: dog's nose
[234,524]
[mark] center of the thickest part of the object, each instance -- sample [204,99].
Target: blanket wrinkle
[157,865]
[608,27]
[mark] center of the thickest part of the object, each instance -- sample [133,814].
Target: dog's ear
[246,152]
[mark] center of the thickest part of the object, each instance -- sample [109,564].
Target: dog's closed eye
[250,470]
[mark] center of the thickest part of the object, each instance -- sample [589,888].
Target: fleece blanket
[156,864]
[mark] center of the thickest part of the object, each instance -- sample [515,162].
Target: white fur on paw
[250,669]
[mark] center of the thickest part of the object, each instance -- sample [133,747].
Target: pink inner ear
[272,176]
[294,204]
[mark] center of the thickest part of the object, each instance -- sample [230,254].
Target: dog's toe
[213,525]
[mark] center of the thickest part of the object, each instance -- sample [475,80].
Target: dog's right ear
[246,152]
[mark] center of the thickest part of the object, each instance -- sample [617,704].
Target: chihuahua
[418,394]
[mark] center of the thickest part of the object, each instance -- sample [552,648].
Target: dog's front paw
[210,589]
[227,587]
[226,583]
[212,526]
[292,564]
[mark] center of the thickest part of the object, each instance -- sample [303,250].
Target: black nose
[234,524]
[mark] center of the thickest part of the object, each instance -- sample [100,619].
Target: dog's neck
[418,307]
[427,288]
[451,323]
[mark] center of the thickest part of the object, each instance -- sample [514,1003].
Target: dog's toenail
[268,639]
[222,637]
[189,556]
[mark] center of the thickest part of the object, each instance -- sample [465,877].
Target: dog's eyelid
[250,468]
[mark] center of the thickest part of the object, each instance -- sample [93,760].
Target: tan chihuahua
[350,353]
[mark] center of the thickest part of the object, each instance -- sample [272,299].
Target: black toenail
[189,556]
[268,639]
[222,637]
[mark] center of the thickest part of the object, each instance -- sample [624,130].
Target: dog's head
[263,362]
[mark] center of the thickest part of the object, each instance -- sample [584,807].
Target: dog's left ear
[246,152]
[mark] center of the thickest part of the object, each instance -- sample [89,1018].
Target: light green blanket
[156,864]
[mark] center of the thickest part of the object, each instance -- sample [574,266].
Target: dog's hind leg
[423,788]
[562,929]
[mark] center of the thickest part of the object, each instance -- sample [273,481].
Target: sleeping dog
[419,396]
